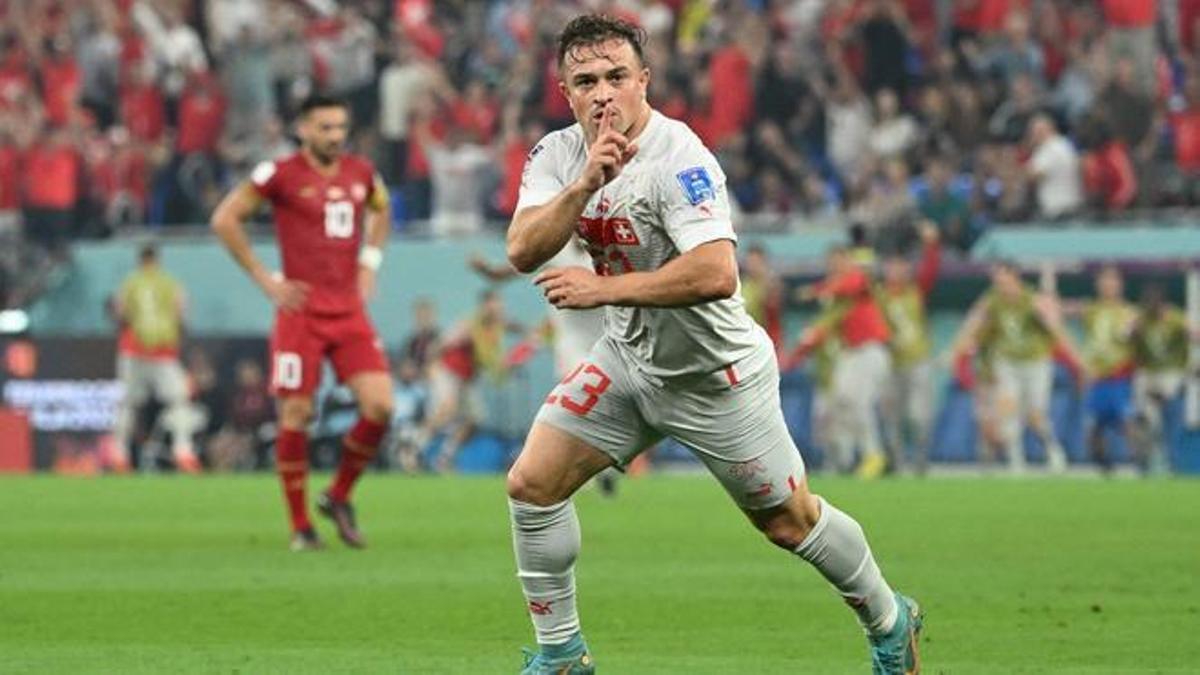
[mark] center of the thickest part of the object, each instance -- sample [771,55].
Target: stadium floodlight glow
[13,321]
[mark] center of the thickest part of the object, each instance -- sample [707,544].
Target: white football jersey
[669,199]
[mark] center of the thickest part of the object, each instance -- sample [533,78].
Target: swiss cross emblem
[608,232]
[622,232]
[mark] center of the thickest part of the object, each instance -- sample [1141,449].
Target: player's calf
[836,546]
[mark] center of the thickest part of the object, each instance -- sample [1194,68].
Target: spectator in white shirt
[1054,170]
[895,132]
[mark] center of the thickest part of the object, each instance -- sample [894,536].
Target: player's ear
[566,91]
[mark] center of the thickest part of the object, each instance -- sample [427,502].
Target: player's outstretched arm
[703,274]
[228,221]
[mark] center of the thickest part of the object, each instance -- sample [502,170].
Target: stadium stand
[123,118]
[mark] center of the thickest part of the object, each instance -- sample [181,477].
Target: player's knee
[785,533]
[790,527]
[378,411]
[295,413]
[522,488]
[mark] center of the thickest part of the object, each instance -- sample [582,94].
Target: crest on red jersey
[358,192]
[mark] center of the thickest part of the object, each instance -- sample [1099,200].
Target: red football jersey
[319,224]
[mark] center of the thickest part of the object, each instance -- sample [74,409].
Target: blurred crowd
[884,113]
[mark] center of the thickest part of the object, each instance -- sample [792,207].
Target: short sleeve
[265,179]
[693,199]
[378,198]
[540,178]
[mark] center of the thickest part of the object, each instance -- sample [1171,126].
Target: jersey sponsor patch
[697,184]
[262,173]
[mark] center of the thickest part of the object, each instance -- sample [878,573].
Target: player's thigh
[553,465]
[170,382]
[471,408]
[738,431]
[878,367]
[295,352]
[1037,386]
[845,369]
[1006,389]
[134,380]
[354,347]
[1167,384]
[445,390]
[597,403]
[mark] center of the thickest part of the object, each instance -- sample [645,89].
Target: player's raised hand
[572,287]
[609,153]
[286,294]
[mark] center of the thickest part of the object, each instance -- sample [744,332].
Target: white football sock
[546,541]
[837,547]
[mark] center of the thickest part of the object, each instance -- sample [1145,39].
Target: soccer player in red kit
[330,212]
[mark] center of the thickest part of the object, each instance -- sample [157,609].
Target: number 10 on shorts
[594,383]
[289,370]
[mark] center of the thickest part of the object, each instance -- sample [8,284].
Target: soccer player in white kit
[680,357]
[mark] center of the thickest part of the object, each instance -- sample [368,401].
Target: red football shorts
[300,341]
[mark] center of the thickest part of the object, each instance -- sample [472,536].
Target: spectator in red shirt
[118,172]
[476,112]
[1109,180]
[143,110]
[10,178]
[60,81]
[519,140]
[51,174]
[196,167]
[15,82]
[555,110]
[732,75]
[1189,25]
[201,116]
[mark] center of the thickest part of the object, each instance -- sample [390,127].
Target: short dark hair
[148,253]
[592,29]
[317,101]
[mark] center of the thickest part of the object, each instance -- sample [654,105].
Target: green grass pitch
[177,574]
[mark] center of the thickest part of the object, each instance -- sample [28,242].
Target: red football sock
[291,461]
[358,449]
